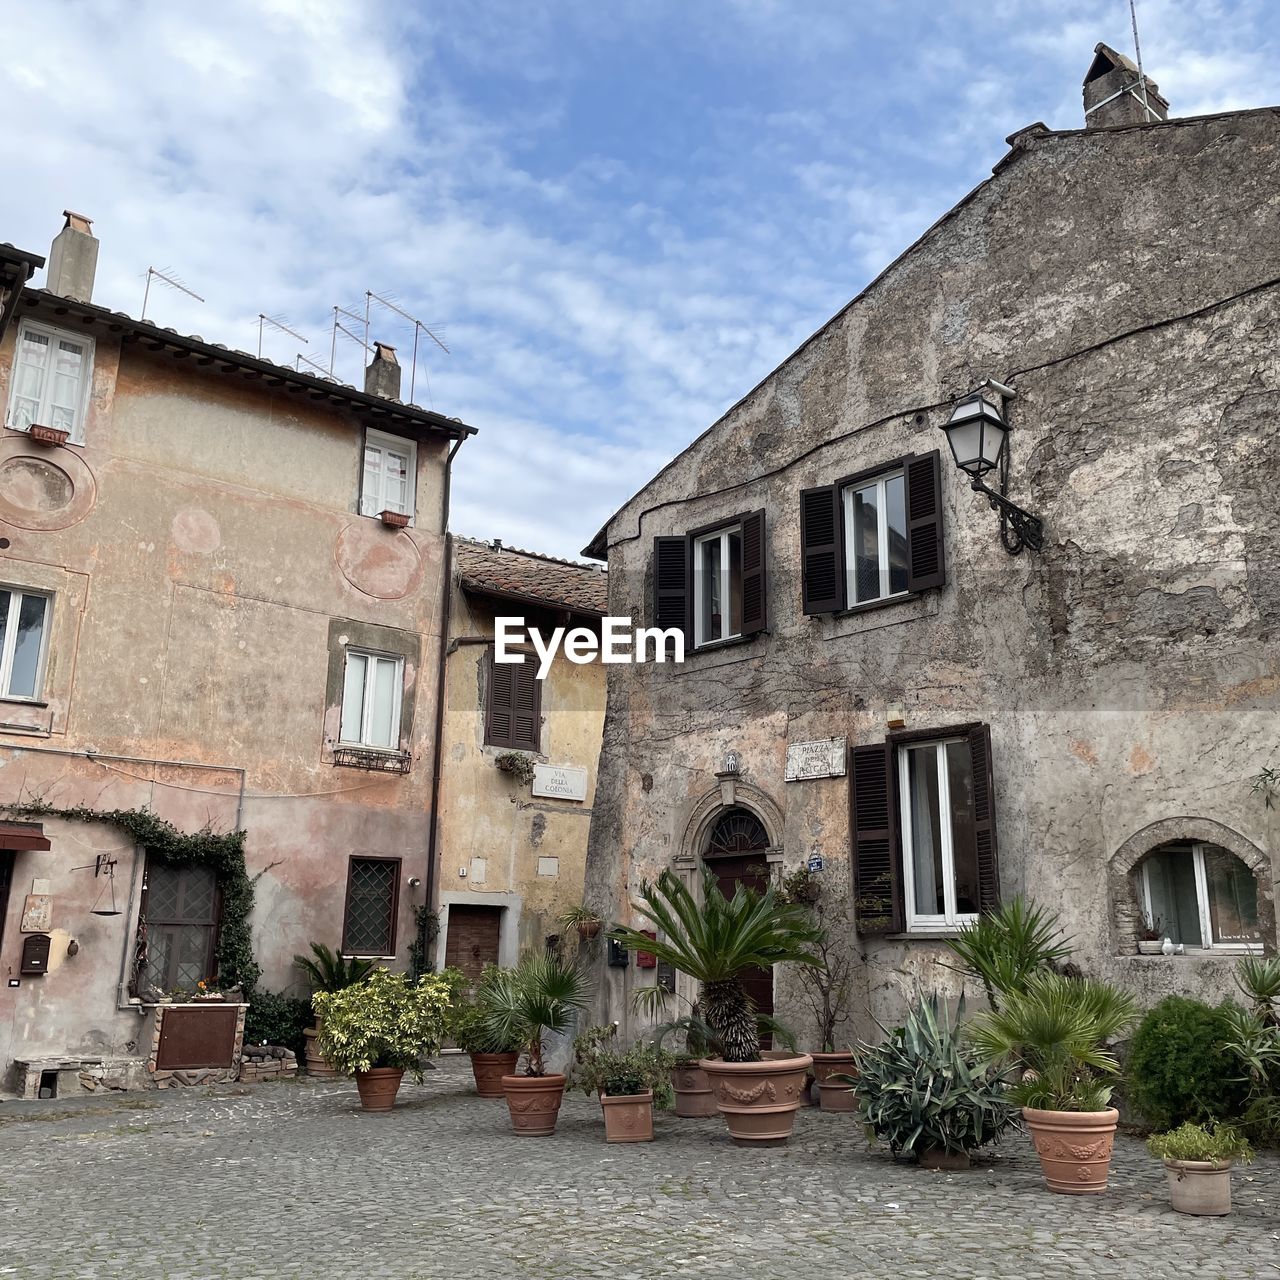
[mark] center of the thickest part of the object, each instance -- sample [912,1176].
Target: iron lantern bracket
[1018,528]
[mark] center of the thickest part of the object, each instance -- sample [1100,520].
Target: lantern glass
[976,433]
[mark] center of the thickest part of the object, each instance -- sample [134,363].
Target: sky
[619,215]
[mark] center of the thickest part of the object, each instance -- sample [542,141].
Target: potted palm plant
[582,918]
[715,942]
[327,971]
[539,997]
[470,1028]
[628,1083]
[1197,1161]
[378,1029]
[1055,1032]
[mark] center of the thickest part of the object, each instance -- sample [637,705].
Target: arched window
[1200,895]
[737,831]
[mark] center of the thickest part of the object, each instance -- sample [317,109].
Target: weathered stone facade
[1126,283]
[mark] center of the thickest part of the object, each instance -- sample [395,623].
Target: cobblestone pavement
[292,1180]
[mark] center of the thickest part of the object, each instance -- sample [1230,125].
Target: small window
[371,690]
[717,586]
[1202,896]
[50,380]
[180,905]
[513,717]
[24,624]
[875,529]
[390,475]
[369,921]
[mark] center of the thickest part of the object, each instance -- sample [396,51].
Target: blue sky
[622,215]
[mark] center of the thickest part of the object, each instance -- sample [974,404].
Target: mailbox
[646,959]
[35,954]
[617,955]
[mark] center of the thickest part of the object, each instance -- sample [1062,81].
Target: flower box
[48,435]
[394,519]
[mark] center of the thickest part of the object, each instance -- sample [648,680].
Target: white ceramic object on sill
[1166,947]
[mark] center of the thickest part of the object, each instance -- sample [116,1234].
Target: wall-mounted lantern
[978,433]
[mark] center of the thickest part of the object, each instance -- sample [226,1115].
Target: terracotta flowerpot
[534,1103]
[378,1088]
[831,1095]
[394,519]
[1074,1148]
[759,1100]
[48,435]
[629,1117]
[1200,1187]
[489,1069]
[941,1158]
[317,1066]
[694,1099]
[589,929]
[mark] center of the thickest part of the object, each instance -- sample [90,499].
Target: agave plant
[537,998]
[1057,1030]
[716,942]
[1005,948]
[330,971]
[1259,978]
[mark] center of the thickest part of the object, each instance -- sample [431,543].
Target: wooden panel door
[472,938]
[751,869]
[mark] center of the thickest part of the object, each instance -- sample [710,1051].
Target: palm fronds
[331,971]
[539,997]
[1005,948]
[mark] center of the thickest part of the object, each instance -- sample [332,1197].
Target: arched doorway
[737,853]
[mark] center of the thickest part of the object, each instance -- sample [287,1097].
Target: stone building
[1080,725]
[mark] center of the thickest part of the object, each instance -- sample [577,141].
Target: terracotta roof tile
[510,571]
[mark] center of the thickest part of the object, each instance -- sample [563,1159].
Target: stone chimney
[1113,92]
[73,260]
[382,377]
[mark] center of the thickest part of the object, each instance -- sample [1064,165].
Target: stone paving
[289,1180]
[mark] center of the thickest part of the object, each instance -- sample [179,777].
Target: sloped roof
[512,573]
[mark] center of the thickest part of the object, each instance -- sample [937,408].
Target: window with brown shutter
[877,875]
[925,567]
[821,550]
[513,717]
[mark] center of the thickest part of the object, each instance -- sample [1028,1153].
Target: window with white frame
[371,690]
[875,531]
[49,384]
[24,626]
[717,585]
[938,823]
[1202,896]
[390,475]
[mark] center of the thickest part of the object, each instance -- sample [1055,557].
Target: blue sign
[815,862]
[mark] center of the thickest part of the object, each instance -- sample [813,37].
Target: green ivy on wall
[222,853]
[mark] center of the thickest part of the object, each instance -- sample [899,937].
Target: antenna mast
[168,277]
[1137,51]
[277,322]
[418,328]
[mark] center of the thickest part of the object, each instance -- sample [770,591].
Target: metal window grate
[371,894]
[377,761]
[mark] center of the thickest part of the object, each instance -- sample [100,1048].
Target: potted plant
[1007,947]
[1197,1161]
[517,764]
[584,919]
[378,1029]
[926,1095]
[539,997]
[327,971]
[394,519]
[53,436]
[1150,936]
[469,1026]
[1056,1031]
[715,942]
[628,1083]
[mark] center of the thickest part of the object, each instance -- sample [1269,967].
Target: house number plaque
[822,759]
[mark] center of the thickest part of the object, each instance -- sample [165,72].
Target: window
[875,530]
[1202,896]
[371,690]
[513,717]
[50,380]
[24,623]
[369,920]
[181,906]
[390,475]
[717,586]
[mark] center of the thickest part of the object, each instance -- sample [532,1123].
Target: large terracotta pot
[628,1118]
[833,1096]
[378,1088]
[534,1103]
[1074,1148]
[317,1066]
[1201,1187]
[489,1068]
[694,1099]
[759,1100]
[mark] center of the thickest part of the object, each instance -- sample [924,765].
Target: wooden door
[751,869]
[472,938]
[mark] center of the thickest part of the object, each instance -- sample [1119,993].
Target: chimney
[73,259]
[382,377]
[1113,92]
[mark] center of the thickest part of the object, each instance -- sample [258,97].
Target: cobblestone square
[292,1180]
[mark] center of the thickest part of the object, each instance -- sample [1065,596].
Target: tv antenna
[339,327]
[1137,57]
[418,329]
[169,277]
[315,364]
[277,322]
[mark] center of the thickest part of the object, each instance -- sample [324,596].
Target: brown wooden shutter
[672,581]
[526,706]
[500,718]
[877,864]
[755,613]
[821,550]
[984,818]
[926,568]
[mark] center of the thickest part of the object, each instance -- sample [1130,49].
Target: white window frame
[726,582]
[25,326]
[880,484]
[951,918]
[366,711]
[1202,904]
[374,506]
[16,596]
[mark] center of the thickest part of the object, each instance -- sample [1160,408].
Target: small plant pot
[378,1088]
[941,1158]
[834,1095]
[1200,1187]
[694,1099]
[534,1103]
[629,1117]
[50,436]
[1149,947]
[394,519]
[589,929]
[489,1070]
[759,1100]
[317,1066]
[1074,1148]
